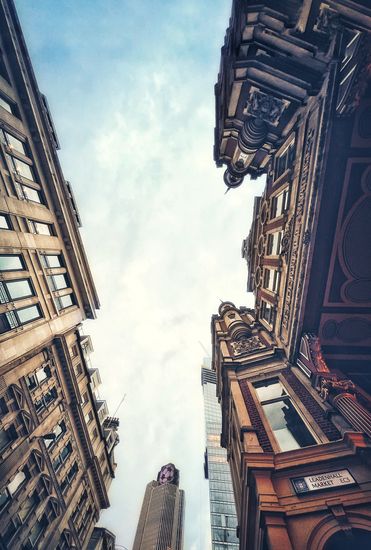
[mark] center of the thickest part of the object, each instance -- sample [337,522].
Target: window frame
[284,398]
[4,291]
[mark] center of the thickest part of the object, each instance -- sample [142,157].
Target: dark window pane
[289,429]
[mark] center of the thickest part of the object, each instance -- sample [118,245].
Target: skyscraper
[217,471]
[160,525]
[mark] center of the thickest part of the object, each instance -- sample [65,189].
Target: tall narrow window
[280,204]
[286,423]
[284,160]
[274,243]
[267,312]
[271,279]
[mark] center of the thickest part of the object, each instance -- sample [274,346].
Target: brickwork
[312,406]
[255,418]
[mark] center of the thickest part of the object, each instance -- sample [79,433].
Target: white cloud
[163,239]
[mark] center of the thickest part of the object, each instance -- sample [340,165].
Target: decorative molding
[328,20]
[246,345]
[295,249]
[334,386]
[265,107]
[286,240]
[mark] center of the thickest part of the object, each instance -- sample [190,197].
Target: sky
[130,84]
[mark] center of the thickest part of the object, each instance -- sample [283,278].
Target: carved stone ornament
[265,107]
[286,240]
[297,227]
[246,345]
[316,353]
[332,386]
[328,20]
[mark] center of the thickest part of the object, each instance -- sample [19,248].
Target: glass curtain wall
[222,507]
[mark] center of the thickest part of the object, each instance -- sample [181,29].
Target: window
[78,369]
[58,282]
[62,457]
[6,437]
[45,400]
[51,260]
[274,243]
[28,506]
[15,290]
[5,221]
[85,399]
[6,105]
[32,194]
[271,279]
[58,431]
[64,301]
[21,168]
[17,317]
[13,486]
[69,477]
[14,143]
[288,427]
[267,312]
[28,314]
[280,203]
[17,481]
[39,228]
[284,160]
[11,262]
[36,379]
[37,530]
[89,417]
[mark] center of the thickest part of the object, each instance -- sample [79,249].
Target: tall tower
[160,525]
[217,471]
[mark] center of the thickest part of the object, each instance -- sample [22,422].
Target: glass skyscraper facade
[222,507]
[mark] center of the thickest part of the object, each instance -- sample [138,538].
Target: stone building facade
[293,101]
[56,438]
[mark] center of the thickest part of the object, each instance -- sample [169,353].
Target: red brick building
[293,102]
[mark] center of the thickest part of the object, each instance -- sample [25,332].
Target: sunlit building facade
[217,471]
[161,520]
[56,437]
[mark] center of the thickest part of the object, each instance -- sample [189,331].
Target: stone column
[342,395]
[353,412]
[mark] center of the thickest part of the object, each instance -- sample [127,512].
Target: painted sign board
[328,480]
